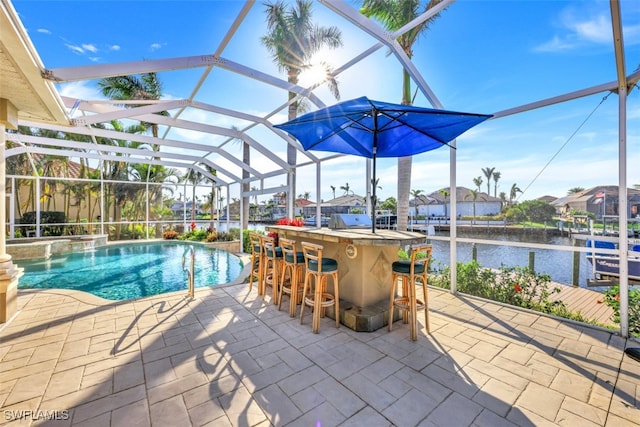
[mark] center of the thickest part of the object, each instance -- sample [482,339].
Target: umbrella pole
[374,202]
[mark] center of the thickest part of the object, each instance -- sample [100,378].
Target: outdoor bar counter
[364,267]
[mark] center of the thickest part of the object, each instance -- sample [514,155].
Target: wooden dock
[590,303]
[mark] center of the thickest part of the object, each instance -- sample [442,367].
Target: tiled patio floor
[230,358]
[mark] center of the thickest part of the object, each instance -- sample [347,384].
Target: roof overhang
[23,90]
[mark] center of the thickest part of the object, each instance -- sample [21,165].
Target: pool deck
[230,358]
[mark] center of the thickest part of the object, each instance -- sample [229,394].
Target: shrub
[170,235]
[212,236]
[224,236]
[612,299]
[246,244]
[517,286]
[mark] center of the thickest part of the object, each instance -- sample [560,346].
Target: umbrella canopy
[371,129]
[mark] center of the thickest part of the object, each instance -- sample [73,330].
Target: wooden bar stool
[417,268]
[318,269]
[256,265]
[292,266]
[271,269]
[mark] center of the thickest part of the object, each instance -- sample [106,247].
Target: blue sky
[480,56]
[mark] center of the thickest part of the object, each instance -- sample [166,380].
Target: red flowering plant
[275,237]
[295,222]
[192,226]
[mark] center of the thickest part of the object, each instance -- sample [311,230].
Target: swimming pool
[128,271]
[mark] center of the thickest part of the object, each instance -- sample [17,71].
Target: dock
[589,302]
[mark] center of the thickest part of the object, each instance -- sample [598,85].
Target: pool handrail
[190,271]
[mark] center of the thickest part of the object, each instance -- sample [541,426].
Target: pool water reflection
[128,271]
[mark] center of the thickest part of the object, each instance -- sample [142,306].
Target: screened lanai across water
[555,125]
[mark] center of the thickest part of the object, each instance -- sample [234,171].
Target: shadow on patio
[230,358]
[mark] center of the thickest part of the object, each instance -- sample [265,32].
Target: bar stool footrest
[403,303]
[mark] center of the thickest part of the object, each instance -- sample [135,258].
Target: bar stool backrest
[420,255]
[254,241]
[312,252]
[268,243]
[288,250]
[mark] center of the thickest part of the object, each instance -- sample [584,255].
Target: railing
[190,270]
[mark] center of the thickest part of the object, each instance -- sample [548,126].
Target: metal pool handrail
[190,270]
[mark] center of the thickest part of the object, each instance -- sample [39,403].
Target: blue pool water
[120,272]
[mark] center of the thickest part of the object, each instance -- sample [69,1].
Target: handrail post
[190,271]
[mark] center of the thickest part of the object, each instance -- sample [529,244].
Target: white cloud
[89,47]
[75,49]
[155,46]
[43,31]
[114,47]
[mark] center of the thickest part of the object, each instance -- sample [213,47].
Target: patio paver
[231,358]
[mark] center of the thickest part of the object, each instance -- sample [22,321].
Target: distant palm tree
[575,190]
[496,178]
[293,40]
[395,15]
[478,182]
[445,194]
[474,195]
[333,190]
[514,193]
[415,193]
[346,188]
[488,173]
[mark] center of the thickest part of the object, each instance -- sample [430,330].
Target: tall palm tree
[333,190]
[496,177]
[346,188]
[394,14]
[293,40]
[488,173]
[144,87]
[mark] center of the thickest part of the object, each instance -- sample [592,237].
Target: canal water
[556,263]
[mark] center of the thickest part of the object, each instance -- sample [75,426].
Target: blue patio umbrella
[372,129]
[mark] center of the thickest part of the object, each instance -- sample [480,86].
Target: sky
[479,56]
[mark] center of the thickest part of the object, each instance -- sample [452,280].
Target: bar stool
[271,268]
[256,265]
[417,268]
[293,264]
[318,269]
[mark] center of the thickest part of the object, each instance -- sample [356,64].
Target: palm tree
[514,193]
[394,15]
[478,182]
[415,193]
[488,173]
[293,40]
[144,87]
[575,190]
[445,195]
[474,195]
[194,178]
[346,188]
[496,178]
[333,190]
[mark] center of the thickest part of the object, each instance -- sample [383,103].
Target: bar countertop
[353,236]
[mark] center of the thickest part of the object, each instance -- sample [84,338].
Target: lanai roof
[29,85]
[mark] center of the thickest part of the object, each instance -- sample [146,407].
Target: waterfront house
[600,200]
[437,204]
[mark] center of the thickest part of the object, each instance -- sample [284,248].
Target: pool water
[121,272]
